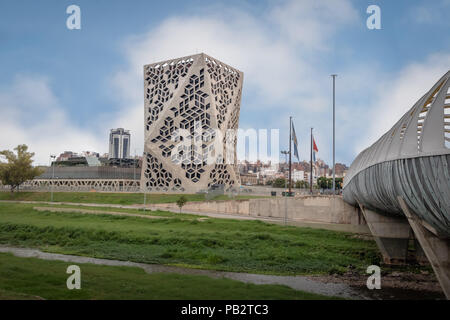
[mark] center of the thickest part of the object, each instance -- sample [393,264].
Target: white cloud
[266,48]
[312,23]
[280,54]
[32,115]
[277,52]
[397,93]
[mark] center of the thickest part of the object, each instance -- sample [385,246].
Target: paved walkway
[301,283]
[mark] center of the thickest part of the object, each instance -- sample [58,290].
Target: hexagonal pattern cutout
[190,103]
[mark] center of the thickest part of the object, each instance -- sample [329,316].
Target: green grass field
[30,278]
[108,198]
[220,244]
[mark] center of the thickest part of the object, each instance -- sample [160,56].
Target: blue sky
[64,89]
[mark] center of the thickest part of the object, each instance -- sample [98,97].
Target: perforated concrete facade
[191,111]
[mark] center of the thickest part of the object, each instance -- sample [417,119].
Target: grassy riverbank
[219,244]
[108,198]
[34,279]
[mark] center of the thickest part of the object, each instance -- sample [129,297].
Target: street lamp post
[285,188]
[53,176]
[311,165]
[286,153]
[290,153]
[334,131]
[134,171]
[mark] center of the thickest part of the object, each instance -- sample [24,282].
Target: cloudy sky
[64,89]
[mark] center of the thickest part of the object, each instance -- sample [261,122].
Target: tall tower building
[119,143]
[191,116]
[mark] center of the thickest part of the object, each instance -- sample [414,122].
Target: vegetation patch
[111,198]
[35,279]
[219,244]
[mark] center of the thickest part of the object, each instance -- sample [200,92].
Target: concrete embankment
[326,212]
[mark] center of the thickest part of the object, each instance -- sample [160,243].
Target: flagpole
[311,173]
[290,153]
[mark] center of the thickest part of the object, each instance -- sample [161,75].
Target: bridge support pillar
[436,249]
[391,235]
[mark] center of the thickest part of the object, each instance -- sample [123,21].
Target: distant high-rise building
[119,143]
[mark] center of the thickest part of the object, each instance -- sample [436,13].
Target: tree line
[322,183]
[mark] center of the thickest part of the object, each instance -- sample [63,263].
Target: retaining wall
[321,209]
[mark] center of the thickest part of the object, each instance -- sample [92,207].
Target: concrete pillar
[391,234]
[436,249]
[419,254]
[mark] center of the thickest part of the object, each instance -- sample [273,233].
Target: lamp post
[286,154]
[311,165]
[334,130]
[134,167]
[53,176]
[285,188]
[290,153]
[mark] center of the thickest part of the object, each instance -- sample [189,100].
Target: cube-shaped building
[191,116]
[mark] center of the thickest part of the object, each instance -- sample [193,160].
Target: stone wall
[324,209]
[320,209]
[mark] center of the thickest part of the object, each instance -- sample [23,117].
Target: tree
[279,183]
[301,184]
[181,202]
[323,183]
[339,183]
[19,167]
[327,183]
